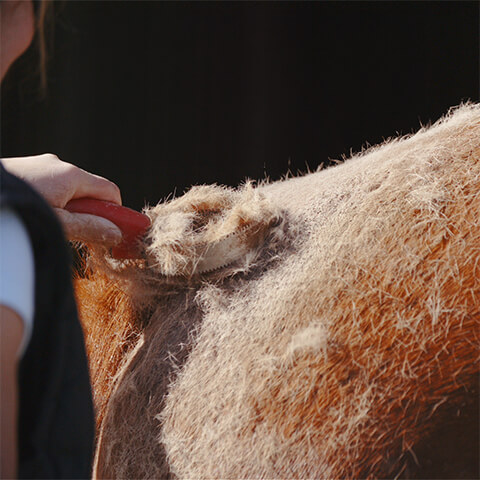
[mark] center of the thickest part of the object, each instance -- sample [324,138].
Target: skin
[11,332]
[58,182]
[17,29]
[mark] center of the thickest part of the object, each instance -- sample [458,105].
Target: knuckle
[51,157]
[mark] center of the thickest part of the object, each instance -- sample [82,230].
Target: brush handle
[132,224]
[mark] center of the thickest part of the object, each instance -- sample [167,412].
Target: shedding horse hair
[342,343]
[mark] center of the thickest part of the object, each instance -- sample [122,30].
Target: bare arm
[11,331]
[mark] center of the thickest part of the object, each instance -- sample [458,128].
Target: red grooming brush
[132,224]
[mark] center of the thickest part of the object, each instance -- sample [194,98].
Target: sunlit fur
[347,347]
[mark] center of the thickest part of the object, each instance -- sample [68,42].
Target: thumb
[88,228]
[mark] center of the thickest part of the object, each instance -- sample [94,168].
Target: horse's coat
[344,345]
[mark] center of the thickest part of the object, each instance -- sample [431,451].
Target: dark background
[158,96]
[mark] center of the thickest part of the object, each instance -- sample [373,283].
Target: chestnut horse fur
[342,342]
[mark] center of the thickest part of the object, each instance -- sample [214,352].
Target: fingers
[89,228]
[94,186]
[59,182]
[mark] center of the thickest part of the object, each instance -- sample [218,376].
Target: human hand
[59,182]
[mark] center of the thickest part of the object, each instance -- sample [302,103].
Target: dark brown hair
[44,16]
